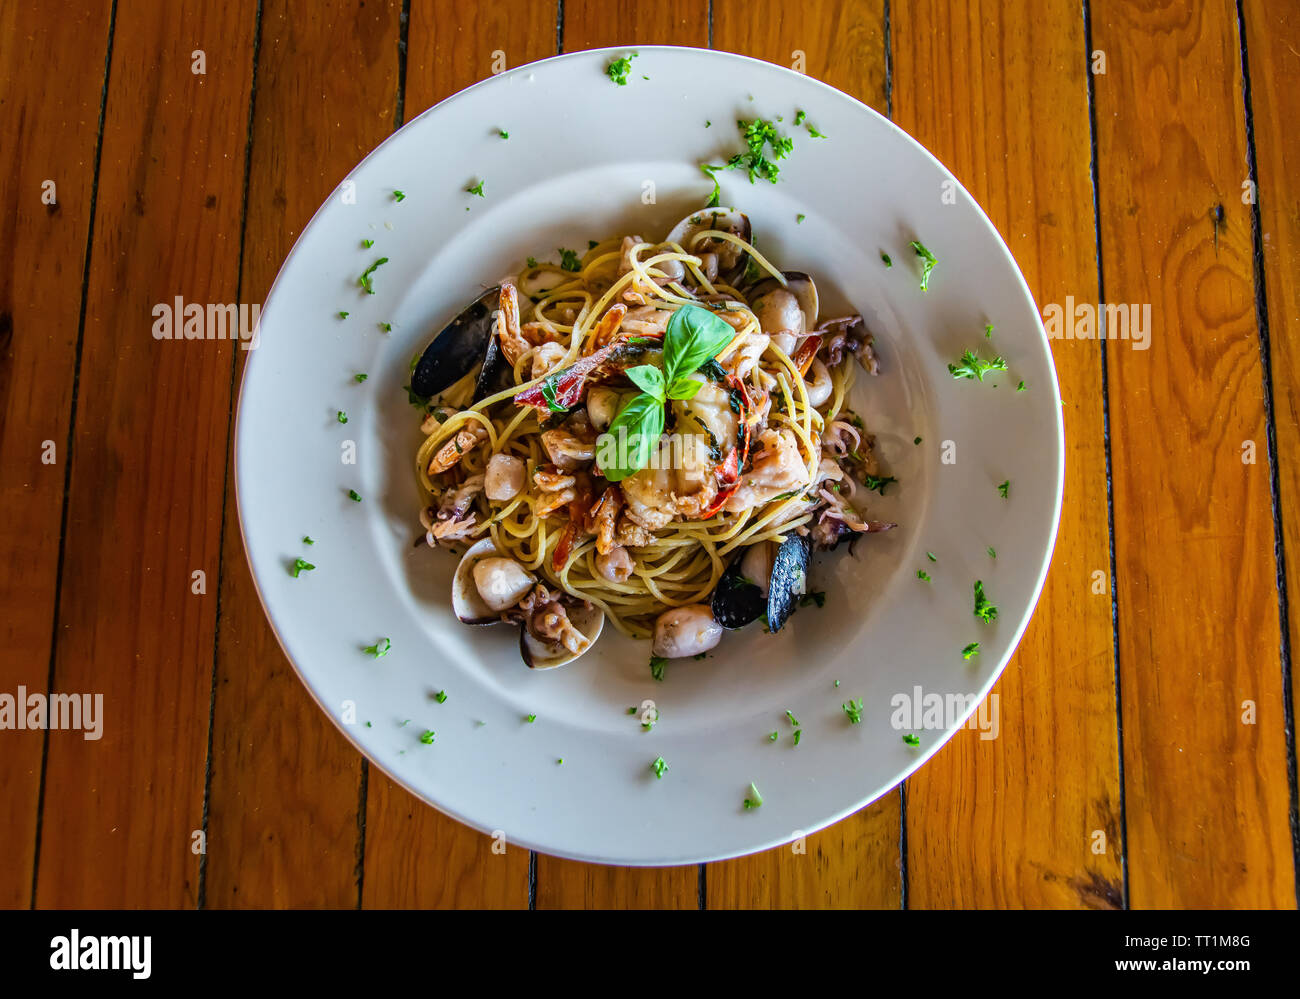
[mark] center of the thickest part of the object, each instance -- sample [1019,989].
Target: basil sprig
[693,338]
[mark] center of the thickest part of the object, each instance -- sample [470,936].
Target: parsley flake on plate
[912,739]
[973,366]
[300,566]
[854,710]
[354,496]
[659,767]
[928,262]
[380,649]
[426,736]
[657,664]
[984,610]
[366,281]
[1004,488]
[476,189]
[618,69]
[755,800]
[971,650]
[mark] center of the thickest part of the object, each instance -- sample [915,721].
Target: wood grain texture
[1206,791]
[840,42]
[593,24]
[998,91]
[148,467]
[857,862]
[1273,44]
[52,62]
[590,24]
[416,856]
[284,795]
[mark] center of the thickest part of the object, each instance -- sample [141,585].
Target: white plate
[572,170]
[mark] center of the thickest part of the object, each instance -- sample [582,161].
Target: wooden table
[1128,153]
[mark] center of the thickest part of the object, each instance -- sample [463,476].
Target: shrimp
[778,468]
[681,485]
[509,334]
[450,453]
[607,327]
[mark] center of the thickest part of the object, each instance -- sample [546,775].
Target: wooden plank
[1273,45]
[853,864]
[283,825]
[998,91]
[840,42]
[594,24]
[590,24]
[148,469]
[857,862]
[1206,791]
[52,63]
[416,856]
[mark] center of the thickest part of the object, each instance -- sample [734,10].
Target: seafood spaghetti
[659,437]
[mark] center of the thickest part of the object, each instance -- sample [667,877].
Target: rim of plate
[920,759]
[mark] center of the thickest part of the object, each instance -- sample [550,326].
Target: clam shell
[466,603]
[545,655]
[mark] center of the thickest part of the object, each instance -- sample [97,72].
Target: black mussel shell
[789,580]
[464,343]
[736,601]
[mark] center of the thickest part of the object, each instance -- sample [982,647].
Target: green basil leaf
[648,379]
[626,447]
[684,388]
[694,335]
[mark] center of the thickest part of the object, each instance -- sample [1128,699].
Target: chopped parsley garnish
[798,734]
[503,133]
[386,327]
[379,649]
[912,739]
[799,218]
[799,117]
[367,243]
[992,552]
[755,800]
[973,366]
[971,650]
[361,376]
[657,664]
[659,767]
[854,710]
[530,718]
[569,260]
[793,720]
[618,69]
[928,262]
[342,417]
[916,440]
[932,556]
[532,261]
[592,244]
[922,575]
[307,541]
[440,697]
[774,736]
[711,171]
[878,482]
[812,131]
[299,566]
[817,597]
[559,762]
[426,736]
[343,315]
[399,196]
[760,136]
[631,711]
[1020,387]
[476,189]
[354,496]
[984,610]
[886,258]
[365,280]
[1004,488]
[988,330]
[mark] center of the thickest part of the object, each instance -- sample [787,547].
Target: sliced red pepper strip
[569,383]
[803,357]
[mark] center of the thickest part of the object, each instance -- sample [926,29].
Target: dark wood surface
[1128,153]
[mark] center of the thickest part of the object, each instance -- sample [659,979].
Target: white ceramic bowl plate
[569,172]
